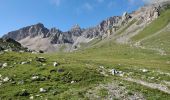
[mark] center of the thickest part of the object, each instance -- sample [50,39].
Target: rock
[55,92]
[34,78]
[21,51]
[41,51]
[6,79]
[44,64]
[40,59]
[102,67]
[13,82]
[115,72]
[7,50]
[31,97]
[22,63]
[24,92]
[144,70]
[42,90]
[152,78]
[60,70]
[72,82]
[34,52]
[55,64]
[4,65]
[37,95]
[21,82]
[53,71]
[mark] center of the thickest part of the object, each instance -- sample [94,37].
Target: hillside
[11,45]
[38,37]
[131,63]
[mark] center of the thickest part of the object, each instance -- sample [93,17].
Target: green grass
[82,67]
[155,26]
[103,92]
[126,27]
[160,41]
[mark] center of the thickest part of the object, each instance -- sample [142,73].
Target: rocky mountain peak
[39,25]
[76,30]
[76,27]
[37,36]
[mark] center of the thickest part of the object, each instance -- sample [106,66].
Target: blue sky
[62,14]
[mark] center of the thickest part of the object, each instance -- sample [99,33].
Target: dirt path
[115,91]
[160,87]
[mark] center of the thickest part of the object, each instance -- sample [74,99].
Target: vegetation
[155,26]
[79,72]
[126,27]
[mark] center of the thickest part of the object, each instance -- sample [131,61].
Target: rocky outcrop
[39,37]
[8,44]
[31,31]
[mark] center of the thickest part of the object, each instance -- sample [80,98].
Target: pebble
[42,90]
[35,77]
[72,82]
[31,97]
[5,65]
[6,79]
[144,70]
[55,64]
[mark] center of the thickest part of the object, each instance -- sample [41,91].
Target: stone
[40,59]
[21,51]
[22,63]
[44,64]
[34,78]
[5,65]
[113,71]
[72,82]
[31,97]
[55,64]
[24,92]
[21,82]
[13,82]
[55,92]
[37,95]
[6,79]
[60,70]
[102,67]
[144,70]
[42,90]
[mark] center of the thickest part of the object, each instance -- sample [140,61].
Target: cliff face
[39,37]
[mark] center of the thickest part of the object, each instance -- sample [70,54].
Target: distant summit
[38,37]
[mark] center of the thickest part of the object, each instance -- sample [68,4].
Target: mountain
[123,58]
[8,44]
[38,37]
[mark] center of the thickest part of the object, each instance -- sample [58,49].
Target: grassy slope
[126,27]
[82,66]
[155,26]
[160,41]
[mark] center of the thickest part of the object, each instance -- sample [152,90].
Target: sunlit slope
[155,26]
